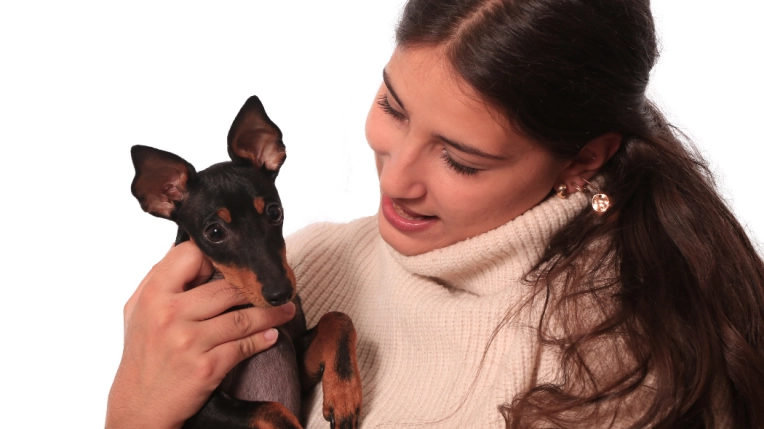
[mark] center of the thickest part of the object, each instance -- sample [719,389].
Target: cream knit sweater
[424,322]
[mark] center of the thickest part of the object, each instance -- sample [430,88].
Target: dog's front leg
[223,411]
[331,358]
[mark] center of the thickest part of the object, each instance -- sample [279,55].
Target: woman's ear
[589,160]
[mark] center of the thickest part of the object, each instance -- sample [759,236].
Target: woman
[548,252]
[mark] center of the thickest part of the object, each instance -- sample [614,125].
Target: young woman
[549,251]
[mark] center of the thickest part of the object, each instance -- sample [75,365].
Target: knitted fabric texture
[427,351]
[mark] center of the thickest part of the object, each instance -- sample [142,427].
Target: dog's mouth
[238,307]
[247,283]
[216,275]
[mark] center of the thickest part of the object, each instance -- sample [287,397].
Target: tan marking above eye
[225,215]
[259,205]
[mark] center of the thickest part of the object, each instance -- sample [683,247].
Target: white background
[82,82]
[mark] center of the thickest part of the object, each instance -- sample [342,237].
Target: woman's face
[450,167]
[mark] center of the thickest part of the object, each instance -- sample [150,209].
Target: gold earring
[600,201]
[561,191]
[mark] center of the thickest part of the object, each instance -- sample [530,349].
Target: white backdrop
[81,82]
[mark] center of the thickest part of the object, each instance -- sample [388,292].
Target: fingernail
[271,335]
[288,308]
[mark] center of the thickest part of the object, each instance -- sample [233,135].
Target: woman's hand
[178,345]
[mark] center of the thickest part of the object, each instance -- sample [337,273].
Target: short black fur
[233,213]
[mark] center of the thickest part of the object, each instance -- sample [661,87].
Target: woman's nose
[402,171]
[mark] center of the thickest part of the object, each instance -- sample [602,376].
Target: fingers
[249,330]
[205,272]
[231,353]
[177,342]
[211,299]
[235,351]
[216,363]
[242,324]
[183,265]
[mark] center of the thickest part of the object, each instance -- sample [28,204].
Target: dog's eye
[214,233]
[275,213]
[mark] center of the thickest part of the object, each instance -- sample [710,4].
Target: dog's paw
[342,401]
[348,422]
[332,355]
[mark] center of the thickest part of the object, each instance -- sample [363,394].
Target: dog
[233,213]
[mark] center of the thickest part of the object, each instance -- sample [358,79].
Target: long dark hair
[676,285]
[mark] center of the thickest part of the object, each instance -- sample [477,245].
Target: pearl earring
[561,191]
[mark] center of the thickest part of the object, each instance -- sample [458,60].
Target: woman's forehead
[435,96]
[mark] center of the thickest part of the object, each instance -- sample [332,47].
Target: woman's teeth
[406,215]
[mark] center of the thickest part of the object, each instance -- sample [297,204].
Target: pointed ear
[161,180]
[255,139]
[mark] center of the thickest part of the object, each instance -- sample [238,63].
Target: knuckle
[164,320]
[166,313]
[187,251]
[206,369]
[183,341]
[247,347]
[146,297]
[241,321]
[161,266]
[127,309]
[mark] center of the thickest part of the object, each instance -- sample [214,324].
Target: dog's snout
[278,298]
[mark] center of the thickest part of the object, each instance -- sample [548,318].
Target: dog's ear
[161,180]
[255,139]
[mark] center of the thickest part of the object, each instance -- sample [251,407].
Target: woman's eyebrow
[459,146]
[386,79]
[471,150]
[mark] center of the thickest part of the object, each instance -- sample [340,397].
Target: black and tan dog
[232,211]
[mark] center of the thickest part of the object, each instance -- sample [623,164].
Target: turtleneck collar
[508,251]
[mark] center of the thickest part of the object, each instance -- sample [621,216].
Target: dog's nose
[278,298]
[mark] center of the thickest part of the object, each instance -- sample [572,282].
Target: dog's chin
[238,307]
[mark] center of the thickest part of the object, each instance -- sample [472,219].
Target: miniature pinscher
[232,211]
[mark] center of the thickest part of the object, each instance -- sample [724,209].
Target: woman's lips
[404,219]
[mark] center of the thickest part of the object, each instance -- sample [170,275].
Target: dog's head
[231,210]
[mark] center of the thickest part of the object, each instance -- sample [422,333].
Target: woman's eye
[384,104]
[459,168]
[215,233]
[275,213]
